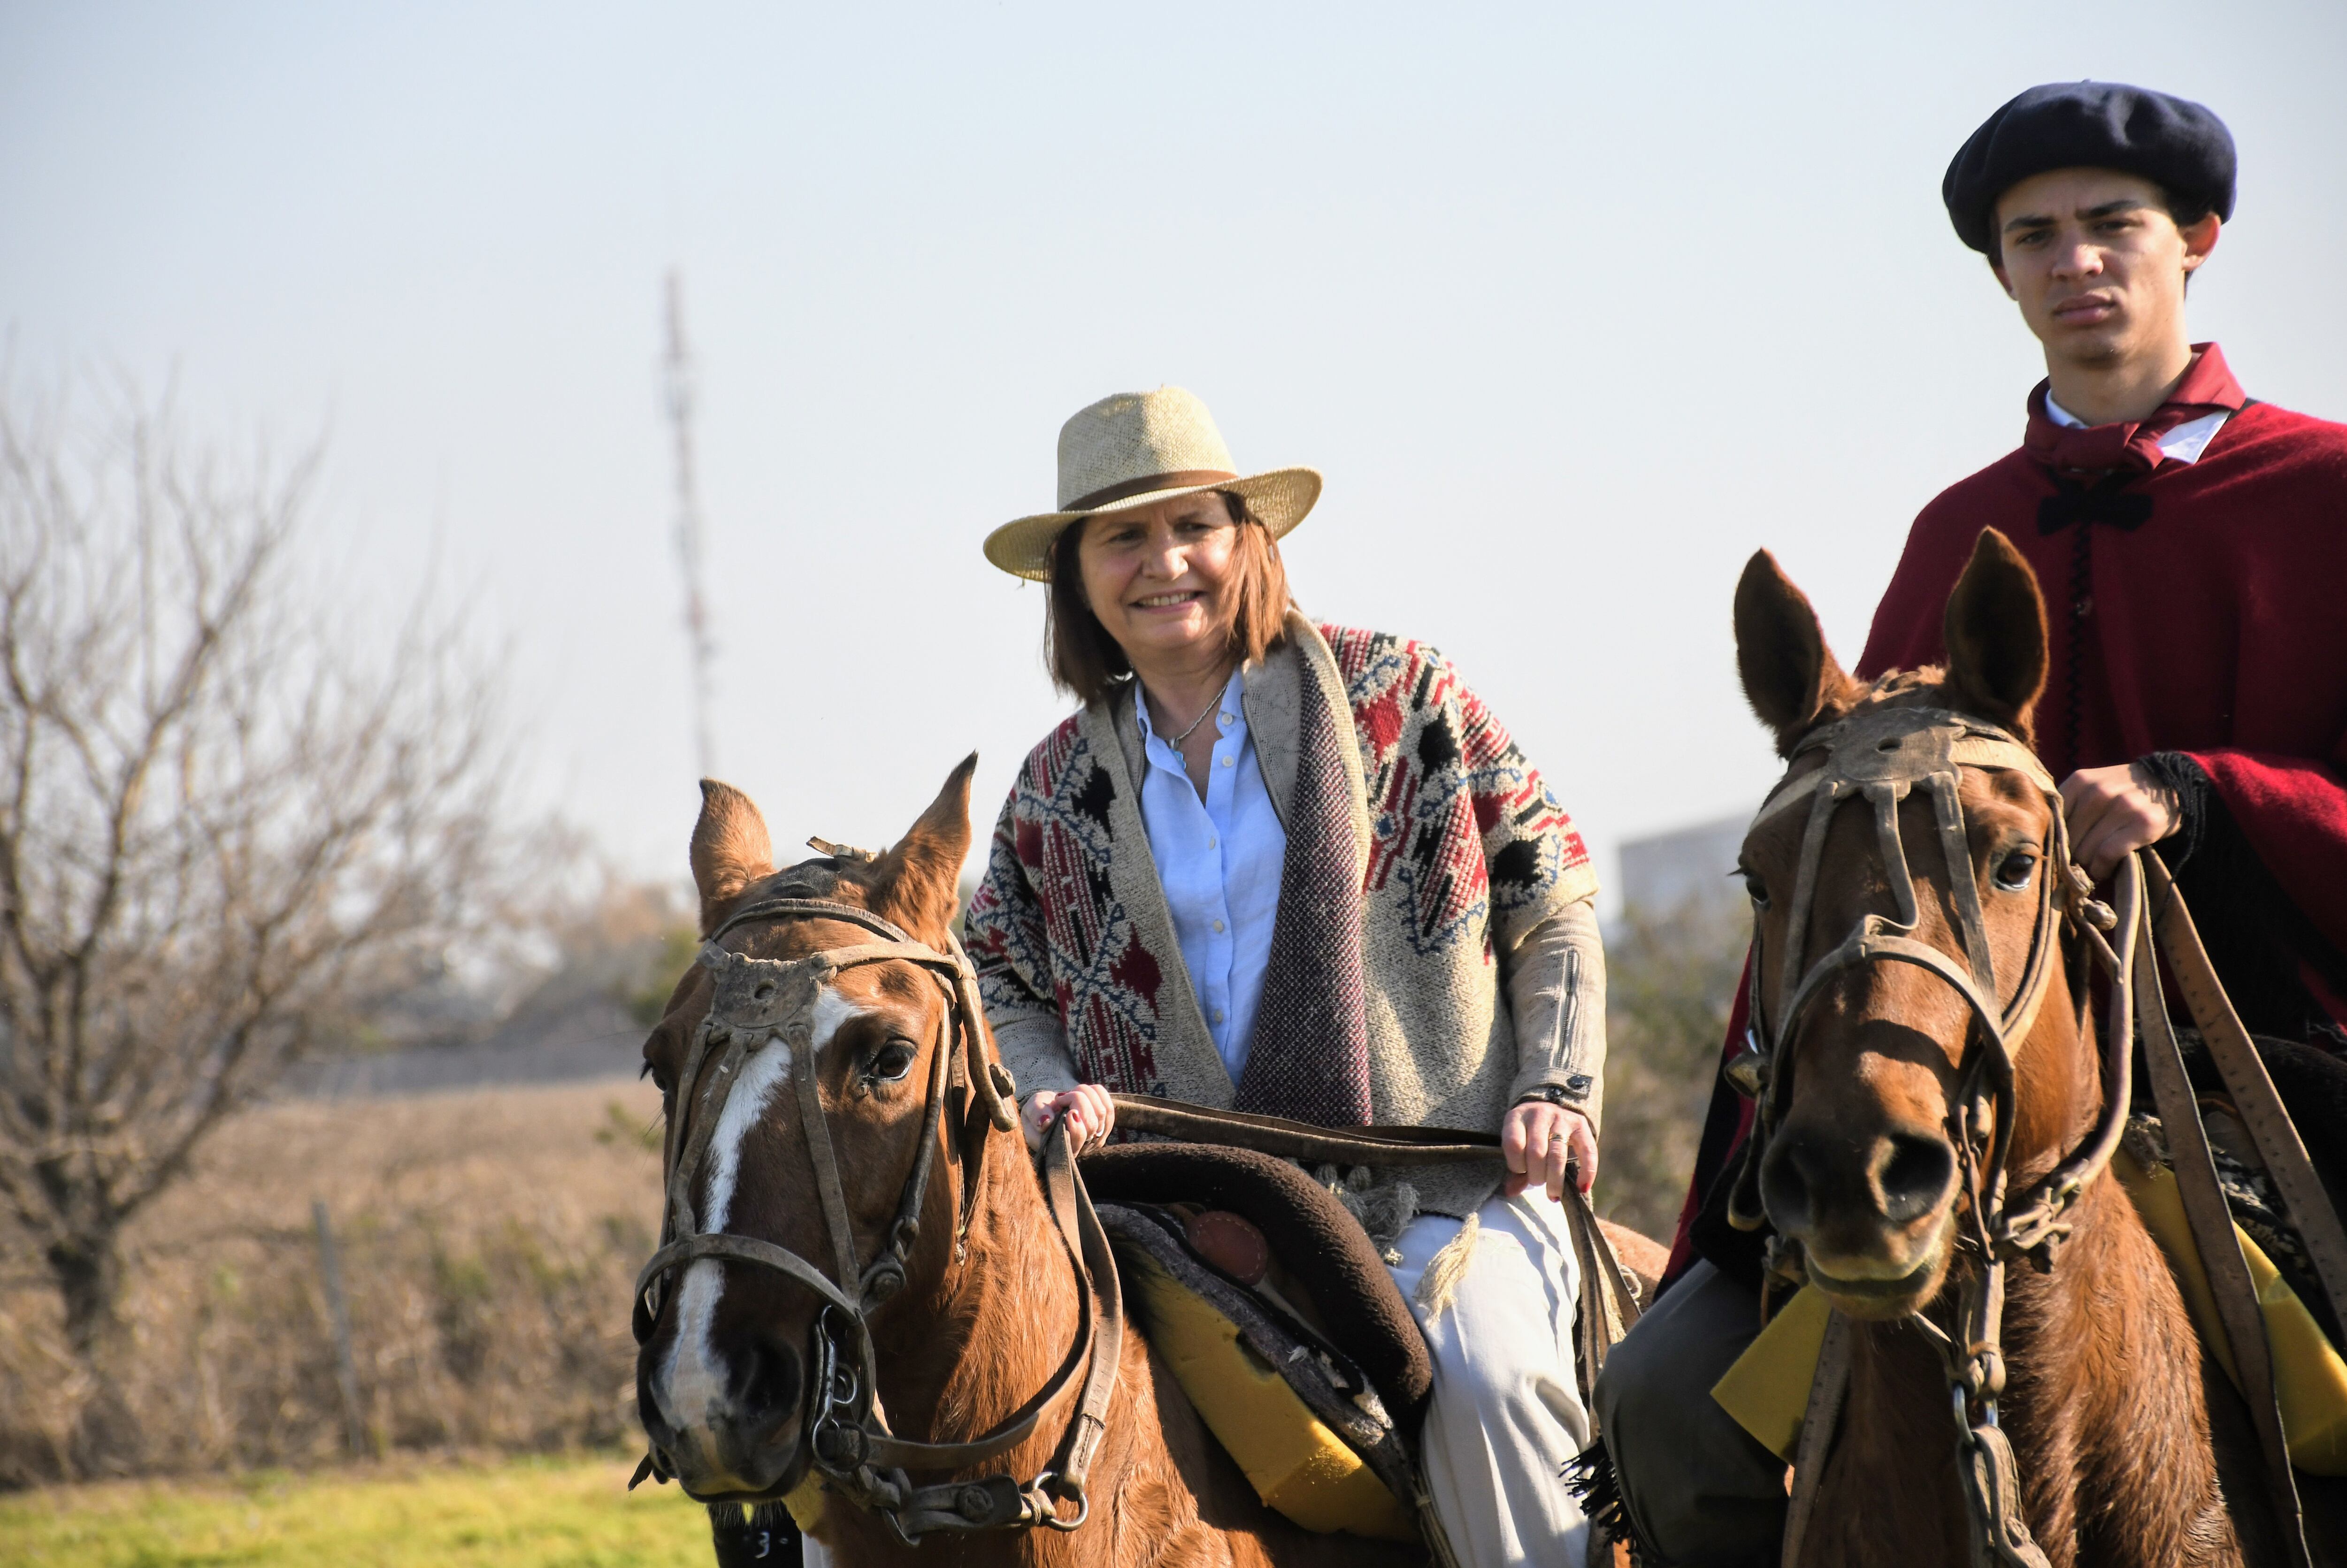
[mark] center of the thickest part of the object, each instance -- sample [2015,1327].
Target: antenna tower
[677,377]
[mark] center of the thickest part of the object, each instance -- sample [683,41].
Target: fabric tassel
[1438,1287]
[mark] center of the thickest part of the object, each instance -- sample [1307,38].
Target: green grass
[574,1512]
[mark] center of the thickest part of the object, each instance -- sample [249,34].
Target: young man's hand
[1541,1140]
[2113,811]
[1092,1117]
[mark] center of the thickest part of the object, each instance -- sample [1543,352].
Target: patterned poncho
[1458,849]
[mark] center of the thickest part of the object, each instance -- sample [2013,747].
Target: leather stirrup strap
[2213,1237]
[2280,1147]
[1827,1389]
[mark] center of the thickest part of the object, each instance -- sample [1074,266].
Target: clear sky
[1575,306]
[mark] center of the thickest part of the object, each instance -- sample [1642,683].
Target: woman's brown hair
[1086,660]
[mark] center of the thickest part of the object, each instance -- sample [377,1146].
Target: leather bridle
[1882,756]
[767,1004]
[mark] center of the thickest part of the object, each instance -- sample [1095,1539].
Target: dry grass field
[489,1240]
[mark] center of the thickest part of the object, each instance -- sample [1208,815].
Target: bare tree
[223,822]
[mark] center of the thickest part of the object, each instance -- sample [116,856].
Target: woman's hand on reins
[1540,1142]
[1091,1116]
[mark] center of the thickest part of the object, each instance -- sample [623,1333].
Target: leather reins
[1881,756]
[769,1004]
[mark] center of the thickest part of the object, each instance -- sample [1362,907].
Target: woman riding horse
[1301,870]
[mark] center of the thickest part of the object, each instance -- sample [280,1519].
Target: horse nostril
[1914,1176]
[766,1395]
[1785,1188]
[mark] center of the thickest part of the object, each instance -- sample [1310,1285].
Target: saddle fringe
[1590,1480]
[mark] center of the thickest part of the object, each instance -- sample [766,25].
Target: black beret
[2178,146]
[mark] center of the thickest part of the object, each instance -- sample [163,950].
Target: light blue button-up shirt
[1219,861]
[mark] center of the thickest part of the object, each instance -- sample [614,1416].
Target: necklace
[1177,742]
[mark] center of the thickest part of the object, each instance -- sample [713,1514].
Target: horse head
[1908,999]
[821,1059]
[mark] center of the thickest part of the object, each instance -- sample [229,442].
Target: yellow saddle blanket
[1767,1390]
[1297,1463]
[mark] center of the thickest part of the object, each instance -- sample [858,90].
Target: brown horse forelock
[2107,1400]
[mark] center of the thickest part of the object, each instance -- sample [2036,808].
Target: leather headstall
[762,1004]
[1880,756]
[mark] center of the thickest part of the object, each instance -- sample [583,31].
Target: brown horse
[981,1322]
[2132,1446]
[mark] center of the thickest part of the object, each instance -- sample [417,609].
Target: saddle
[1274,1311]
[1317,1389]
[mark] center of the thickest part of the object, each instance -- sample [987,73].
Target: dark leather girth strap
[2213,1237]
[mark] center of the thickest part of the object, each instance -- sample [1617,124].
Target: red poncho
[2217,627]
[2212,622]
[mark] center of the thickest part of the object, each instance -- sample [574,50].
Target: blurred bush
[488,1243]
[1670,977]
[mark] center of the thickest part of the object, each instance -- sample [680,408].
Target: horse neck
[2104,1396]
[978,1335]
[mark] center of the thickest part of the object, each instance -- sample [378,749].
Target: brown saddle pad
[1319,1244]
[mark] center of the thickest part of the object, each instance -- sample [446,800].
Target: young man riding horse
[2194,694]
[1300,869]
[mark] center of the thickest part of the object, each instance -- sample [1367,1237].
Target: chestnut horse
[988,1307]
[2130,1445]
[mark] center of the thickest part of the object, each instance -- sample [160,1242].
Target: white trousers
[1506,1414]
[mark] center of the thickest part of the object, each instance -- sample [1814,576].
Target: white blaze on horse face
[695,1385]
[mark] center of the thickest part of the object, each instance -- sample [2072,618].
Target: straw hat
[1136,448]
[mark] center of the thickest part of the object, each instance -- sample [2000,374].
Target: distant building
[1669,869]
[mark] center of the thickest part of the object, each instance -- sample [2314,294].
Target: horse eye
[659,1075]
[1757,889]
[895,1059]
[2014,872]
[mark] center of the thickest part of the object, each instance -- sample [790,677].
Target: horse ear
[918,883]
[1790,676]
[731,850]
[1996,636]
